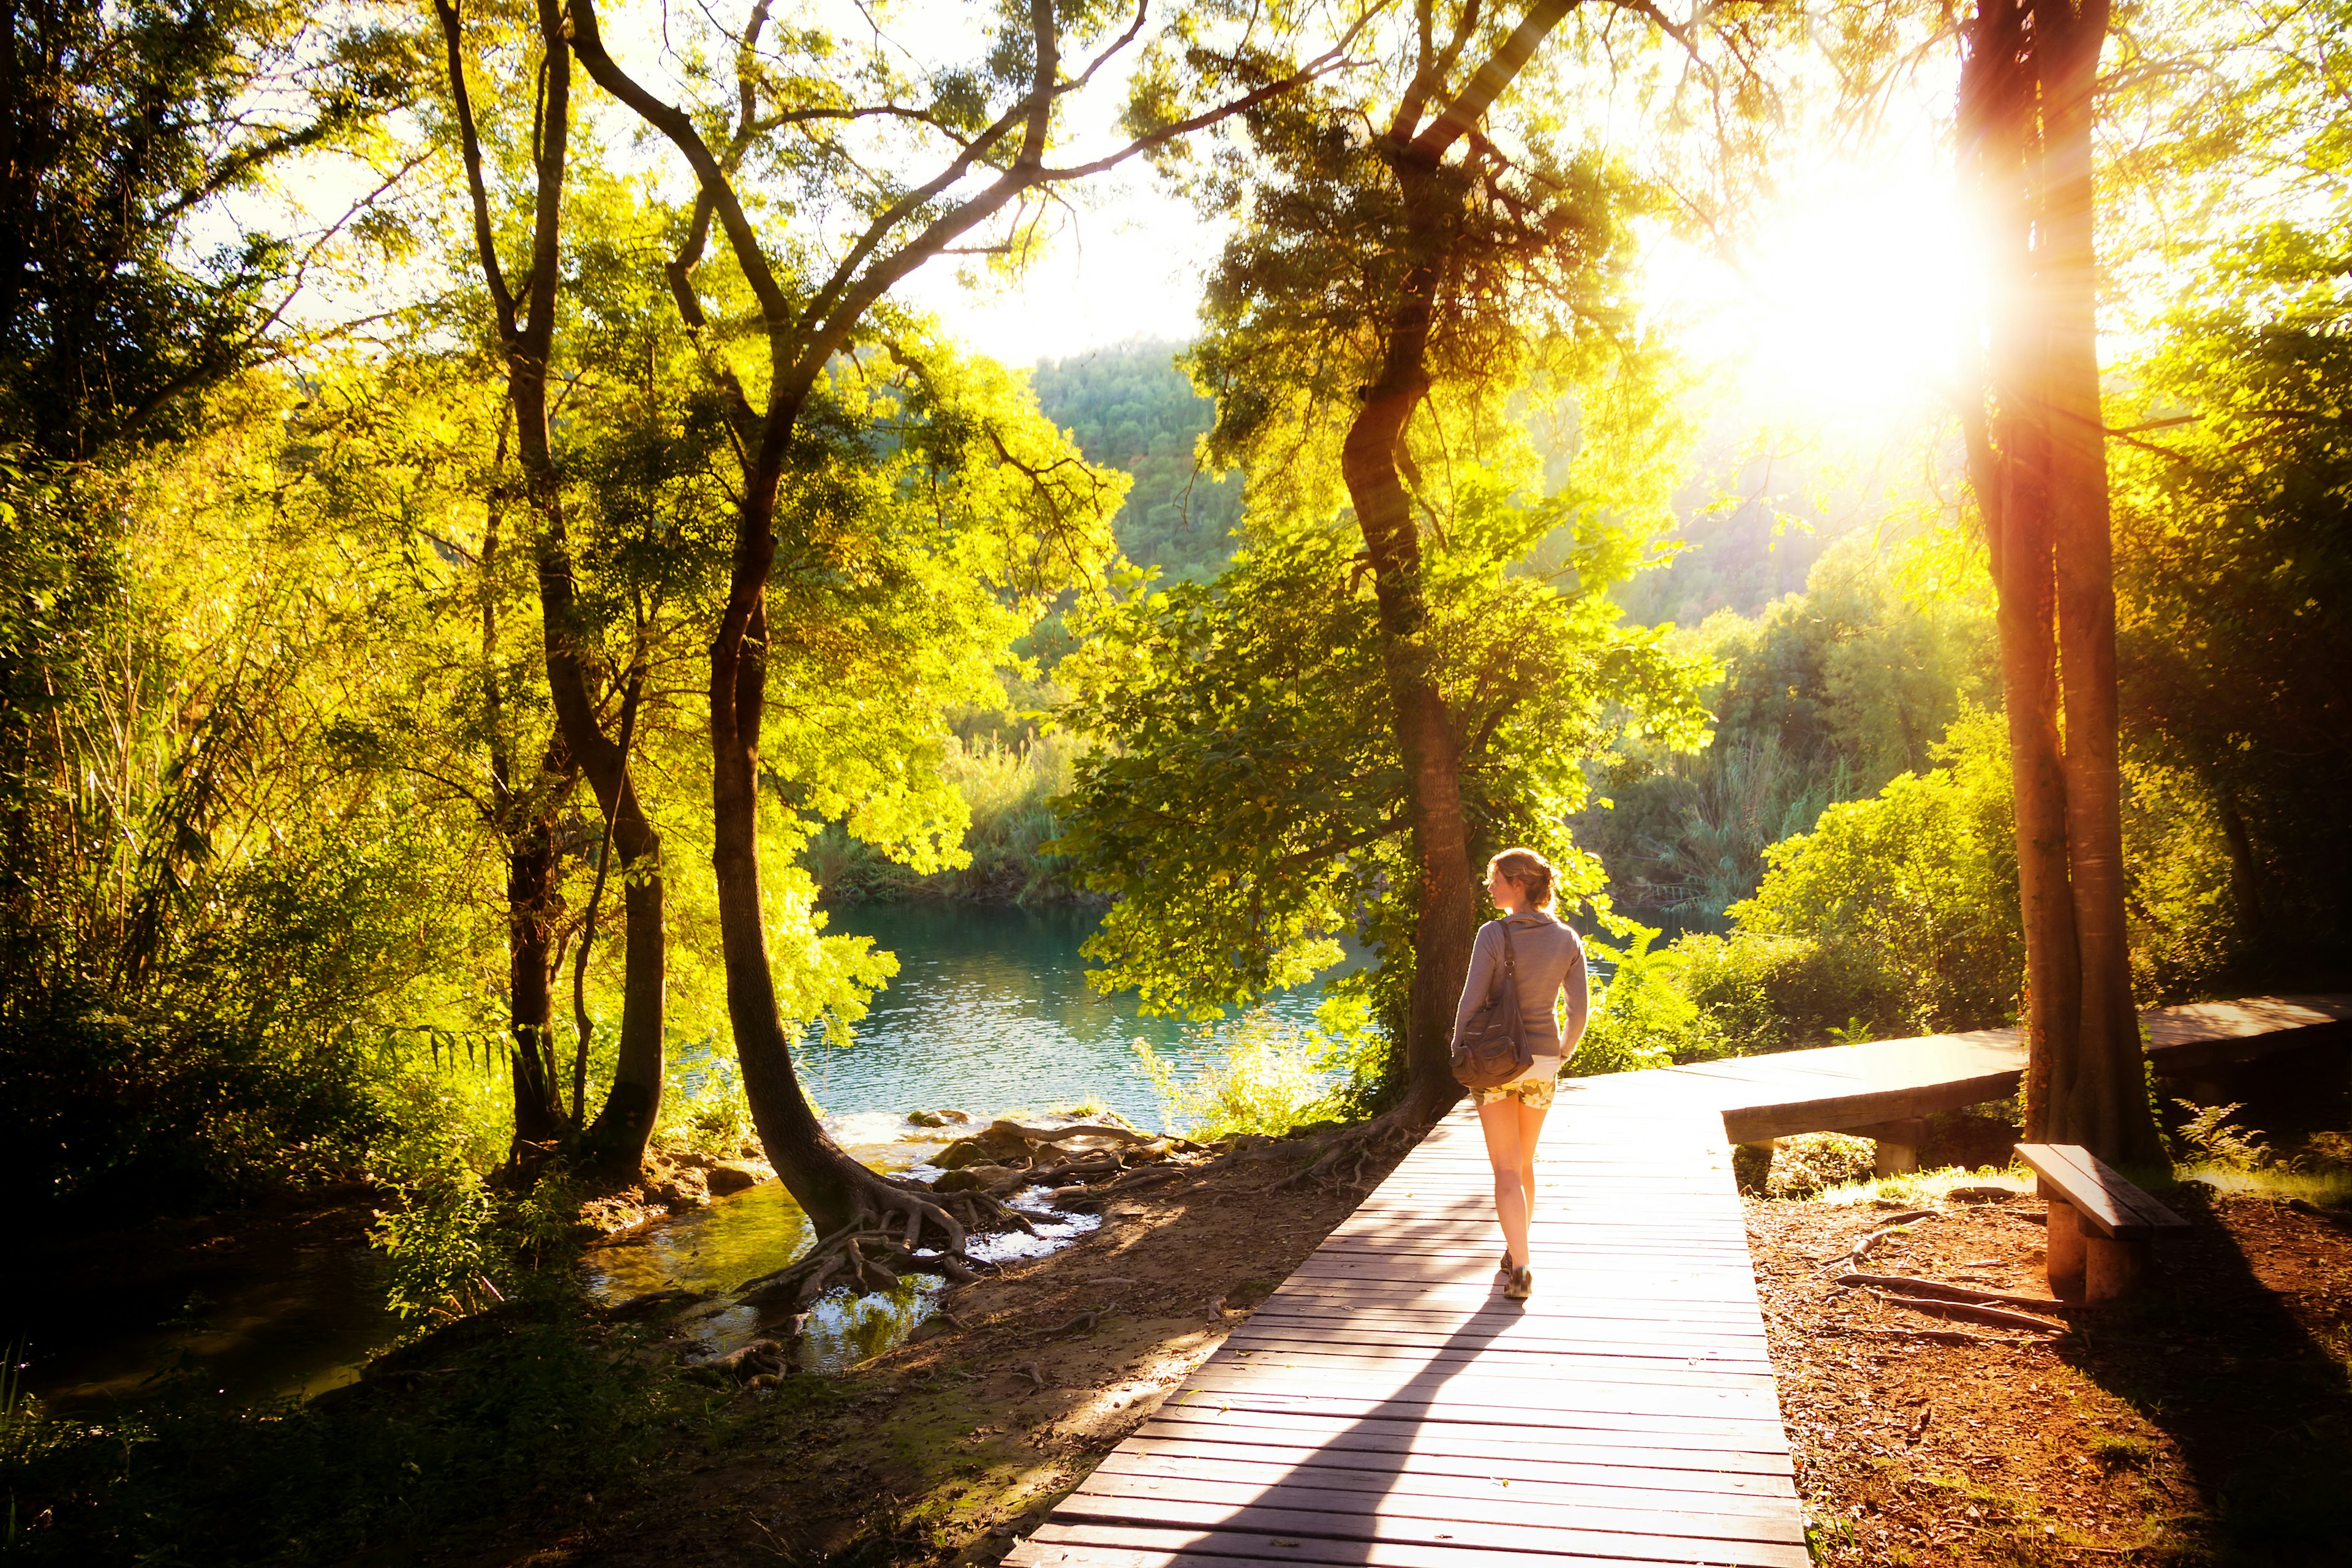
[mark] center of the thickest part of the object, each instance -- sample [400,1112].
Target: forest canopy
[510,526]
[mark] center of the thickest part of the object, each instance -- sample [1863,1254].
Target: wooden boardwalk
[1386,1406]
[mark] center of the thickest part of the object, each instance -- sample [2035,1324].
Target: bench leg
[1898,1147]
[2065,1257]
[2112,1269]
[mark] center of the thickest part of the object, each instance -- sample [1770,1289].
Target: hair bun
[1526,869]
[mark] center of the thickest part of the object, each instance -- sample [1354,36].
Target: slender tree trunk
[538,1122]
[820,1176]
[1446,923]
[615,1144]
[2245,872]
[2039,468]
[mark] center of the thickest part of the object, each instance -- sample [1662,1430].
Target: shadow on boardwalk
[1389,1408]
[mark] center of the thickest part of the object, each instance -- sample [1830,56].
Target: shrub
[1276,1078]
[1009,787]
[1765,991]
[2221,1142]
[1813,1160]
[1645,1015]
[1919,883]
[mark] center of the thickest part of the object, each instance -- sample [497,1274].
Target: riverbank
[943,1450]
[553,1431]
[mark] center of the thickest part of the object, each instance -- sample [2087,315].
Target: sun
[1843,311]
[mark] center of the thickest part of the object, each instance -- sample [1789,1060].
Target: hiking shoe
[1520,1286]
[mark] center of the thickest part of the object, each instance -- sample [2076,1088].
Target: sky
[1839,308]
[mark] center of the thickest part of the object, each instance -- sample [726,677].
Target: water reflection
[752,1232]
[990,1012]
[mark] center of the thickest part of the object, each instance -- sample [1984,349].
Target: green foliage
[1130,408]
[2218,1140]
[1826,695]
[127,128]
[1645,1015]
[1274,1077]
[2234,575]
[1812,1162]
[1009,789]
[1243,802]
[1915,887]
[520,1403]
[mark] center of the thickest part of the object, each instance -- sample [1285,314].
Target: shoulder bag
[1493,1049]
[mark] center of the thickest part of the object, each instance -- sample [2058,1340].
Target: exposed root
[1996,1317]
[1905,1284]
[863,1257]
[1894,1224]
[1354,1159]
[1056,1134]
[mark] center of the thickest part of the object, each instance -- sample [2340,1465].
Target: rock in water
[732,1176]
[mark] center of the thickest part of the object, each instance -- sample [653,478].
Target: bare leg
[1531,1122]
[1514,1173]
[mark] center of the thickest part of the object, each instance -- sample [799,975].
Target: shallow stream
[989,1012]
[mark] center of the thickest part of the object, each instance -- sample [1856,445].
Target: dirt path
[2208,1422]
[943,1450]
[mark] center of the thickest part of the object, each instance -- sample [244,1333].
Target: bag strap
[1510,978]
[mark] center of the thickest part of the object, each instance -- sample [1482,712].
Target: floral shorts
[1535,1093]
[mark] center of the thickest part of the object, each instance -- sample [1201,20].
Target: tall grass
[1009,785]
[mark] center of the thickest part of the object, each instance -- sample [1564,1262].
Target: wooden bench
[2100,1225]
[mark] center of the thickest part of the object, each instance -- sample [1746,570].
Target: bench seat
[2101,1224]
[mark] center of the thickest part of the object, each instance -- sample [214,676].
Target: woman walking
[1549,960]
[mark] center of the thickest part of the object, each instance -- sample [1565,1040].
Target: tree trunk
[539,1124]
[615,1144]
[2039,468]
[2099,1097]
[833,1188]
[2245,872]
[1445,921]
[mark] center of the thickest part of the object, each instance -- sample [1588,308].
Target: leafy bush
[1812,1160]
[521,1401]
[1009,786]
[1920,883]
[2219,1141]
[1764,991]
[2189,931]
[1645,1016]
[1276,1076]
[145,1107]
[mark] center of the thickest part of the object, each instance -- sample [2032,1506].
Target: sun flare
[1846,309]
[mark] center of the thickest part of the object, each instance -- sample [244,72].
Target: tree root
[1894,1225]
[1354,1159]
[1997,1317]
[1904,1285]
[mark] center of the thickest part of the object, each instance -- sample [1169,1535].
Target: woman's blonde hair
[1527,872]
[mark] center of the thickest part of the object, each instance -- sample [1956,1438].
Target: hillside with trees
[1130,407]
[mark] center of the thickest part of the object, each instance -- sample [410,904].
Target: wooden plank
[1448,1350]
[2108,1201]
[1472,1372]
[1429,1542]
[1377,1510]
[1330,1434]
[1589,1486]
[1096,1547]
[1652,1471]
